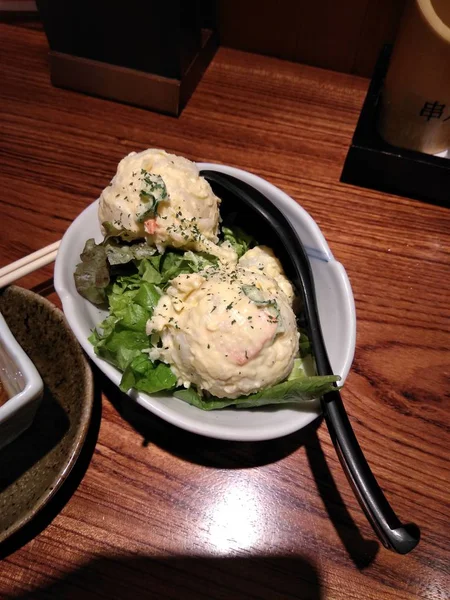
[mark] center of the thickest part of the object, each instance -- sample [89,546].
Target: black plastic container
[373,163]
[150,54]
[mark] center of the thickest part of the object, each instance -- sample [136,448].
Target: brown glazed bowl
[34,466]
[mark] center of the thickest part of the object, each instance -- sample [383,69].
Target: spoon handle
[391,532]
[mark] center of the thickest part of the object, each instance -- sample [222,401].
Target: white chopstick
[28,264]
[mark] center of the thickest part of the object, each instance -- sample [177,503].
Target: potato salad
[196,307]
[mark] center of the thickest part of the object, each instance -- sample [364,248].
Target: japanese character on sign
[433,110]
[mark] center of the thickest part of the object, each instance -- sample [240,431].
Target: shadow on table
[240,455]
[187,578]
[361,551]
[198,449]
[46,288]
[48,428]
[54,506]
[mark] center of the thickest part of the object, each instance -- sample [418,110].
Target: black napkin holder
[373,163]
[149,54]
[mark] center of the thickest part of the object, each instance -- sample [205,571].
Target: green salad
[129,278]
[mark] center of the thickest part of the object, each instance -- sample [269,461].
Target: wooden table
[161,513]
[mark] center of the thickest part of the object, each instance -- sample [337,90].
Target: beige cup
[415,102]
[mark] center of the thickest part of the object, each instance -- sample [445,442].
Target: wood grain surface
[154,512]
[344,36]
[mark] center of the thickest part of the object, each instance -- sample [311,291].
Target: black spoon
[244,200]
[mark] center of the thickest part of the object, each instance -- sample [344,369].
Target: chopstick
[28,264]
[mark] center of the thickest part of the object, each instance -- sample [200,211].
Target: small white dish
[336,309]
[23,386]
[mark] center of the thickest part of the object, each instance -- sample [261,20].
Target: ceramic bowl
[36,464]
[336,309]
[22,385]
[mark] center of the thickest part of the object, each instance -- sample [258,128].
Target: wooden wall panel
[343,36]
[379,27]
[256,26]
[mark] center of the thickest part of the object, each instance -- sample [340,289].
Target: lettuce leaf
[238,239]
[161,269]
[102,262]
[298,391]
[303,367]
[149,269]
[121,338]
[120,253]
[119,347]
[173,264]
[112,231]
[143,375]
[92,273]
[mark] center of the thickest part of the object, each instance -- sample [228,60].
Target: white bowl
[336,309]
[22,383]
